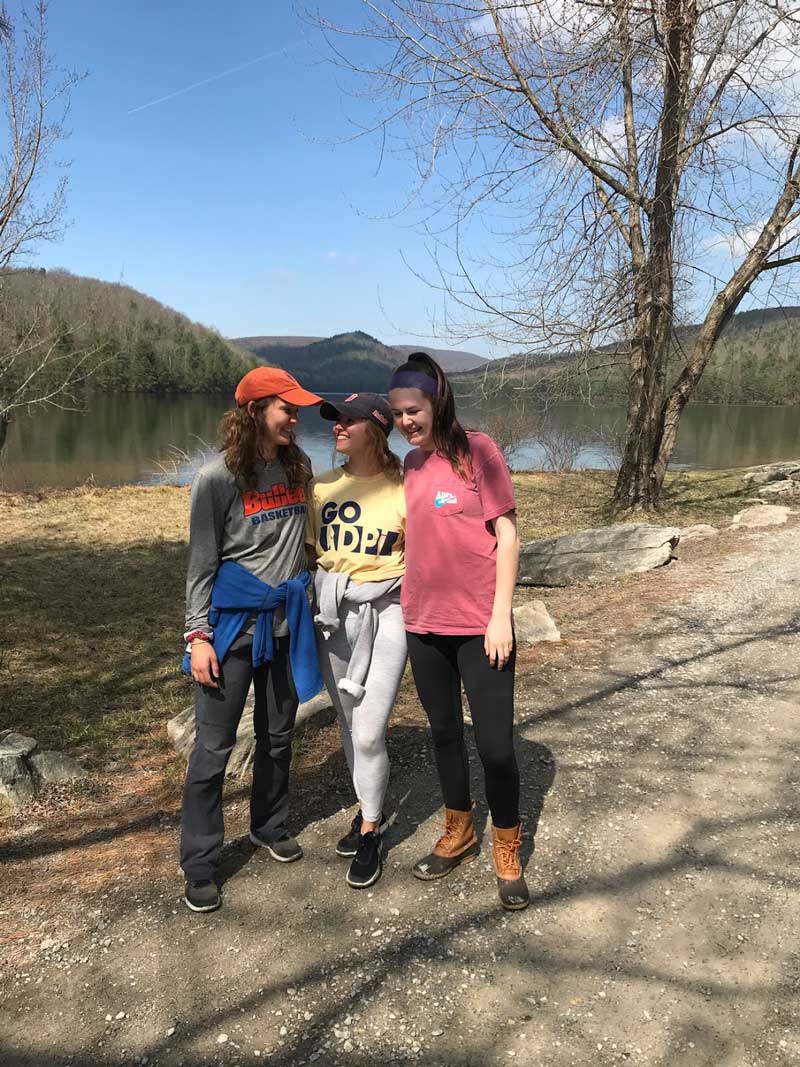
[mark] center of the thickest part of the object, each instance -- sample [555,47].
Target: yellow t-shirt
[357,525]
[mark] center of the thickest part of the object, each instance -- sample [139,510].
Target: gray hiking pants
[217,715]
[363,722]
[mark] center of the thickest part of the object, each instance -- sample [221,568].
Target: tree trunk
[637,484]
[640,480]
[3,430]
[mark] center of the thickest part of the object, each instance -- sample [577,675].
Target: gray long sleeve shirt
[262,529]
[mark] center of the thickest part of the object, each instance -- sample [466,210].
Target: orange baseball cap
[272,381]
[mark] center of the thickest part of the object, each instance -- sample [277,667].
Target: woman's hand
[499,640]
[204,664]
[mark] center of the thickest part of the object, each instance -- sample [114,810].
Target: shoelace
[507,853]
[450,835]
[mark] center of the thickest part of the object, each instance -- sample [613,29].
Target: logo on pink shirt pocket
[443,497]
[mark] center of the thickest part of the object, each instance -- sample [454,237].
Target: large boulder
[772,472]
[180,729]
[761,515]
[785,489]
[601,554]
[533,623]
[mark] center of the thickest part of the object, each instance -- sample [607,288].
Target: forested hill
[346,361]
[139,344]
[757,360]
[333,364]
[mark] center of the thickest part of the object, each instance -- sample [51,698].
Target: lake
[145,440]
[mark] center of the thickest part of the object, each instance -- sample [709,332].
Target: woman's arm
[499,639]
[209,504]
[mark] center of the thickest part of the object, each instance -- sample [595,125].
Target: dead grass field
[93,586]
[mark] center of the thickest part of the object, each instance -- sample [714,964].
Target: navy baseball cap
[360,406]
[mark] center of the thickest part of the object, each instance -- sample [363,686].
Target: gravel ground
[659,757]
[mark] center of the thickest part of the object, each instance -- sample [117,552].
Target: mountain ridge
[757,360]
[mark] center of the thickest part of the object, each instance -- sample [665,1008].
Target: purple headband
[413,379]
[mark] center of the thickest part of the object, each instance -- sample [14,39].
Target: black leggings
[439,663]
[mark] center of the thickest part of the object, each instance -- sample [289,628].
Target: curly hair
[237,437]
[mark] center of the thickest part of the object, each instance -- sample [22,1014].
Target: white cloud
[739,243]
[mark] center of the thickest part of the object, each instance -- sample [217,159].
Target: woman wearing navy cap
[357,529]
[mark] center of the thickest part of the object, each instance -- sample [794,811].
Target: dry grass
[550,504]
[92,612]
[93,590]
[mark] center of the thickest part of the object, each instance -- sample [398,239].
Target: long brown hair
[388,463]
[449,437]
[237,437]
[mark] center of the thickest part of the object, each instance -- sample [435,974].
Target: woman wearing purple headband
[461,567]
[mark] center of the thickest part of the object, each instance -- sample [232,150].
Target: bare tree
[629,164]
[36,366]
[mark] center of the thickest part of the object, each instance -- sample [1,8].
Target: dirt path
[666,882]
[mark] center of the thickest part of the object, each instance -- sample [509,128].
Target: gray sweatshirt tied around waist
[332,589]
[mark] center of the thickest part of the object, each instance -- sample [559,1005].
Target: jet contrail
[213,78]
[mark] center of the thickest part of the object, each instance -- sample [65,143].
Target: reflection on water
[143,439]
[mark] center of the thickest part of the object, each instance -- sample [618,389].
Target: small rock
[761,515]
[698,532]
[533,623]
[222,1039]
[17,786]
[16,744]
[56,768]
[436,1033]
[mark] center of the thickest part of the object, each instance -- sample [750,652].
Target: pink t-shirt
[450,547]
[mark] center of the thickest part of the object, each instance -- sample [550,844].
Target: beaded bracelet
[197,635]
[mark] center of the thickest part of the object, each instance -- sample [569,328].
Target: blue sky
[229,201]
[211,169]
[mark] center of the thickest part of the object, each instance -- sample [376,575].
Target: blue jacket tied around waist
[237,593]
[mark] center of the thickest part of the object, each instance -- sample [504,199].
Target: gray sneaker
[201,895]
[283,848]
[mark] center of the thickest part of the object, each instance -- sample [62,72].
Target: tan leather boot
[458,844]
[510,880]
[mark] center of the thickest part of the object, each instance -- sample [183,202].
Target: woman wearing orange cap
[247,620]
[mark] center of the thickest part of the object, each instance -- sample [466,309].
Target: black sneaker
[201,895]
[347,846]
[368,861]
[284,848]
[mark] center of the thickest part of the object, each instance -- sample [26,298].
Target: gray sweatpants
[363,722]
